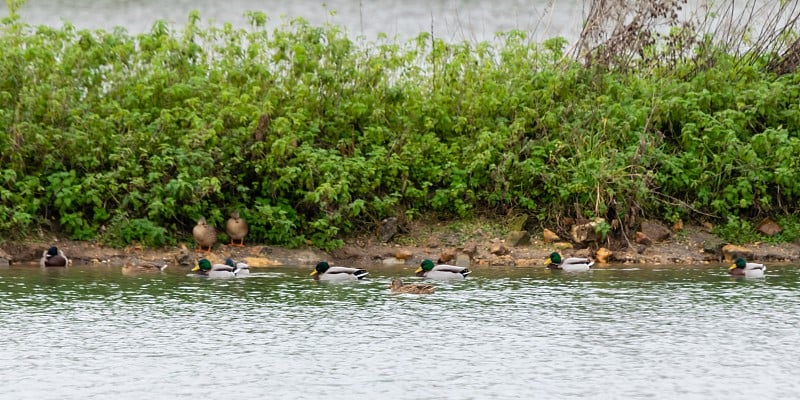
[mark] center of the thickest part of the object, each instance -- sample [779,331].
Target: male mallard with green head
[324,272]
[239,268]
[53,257]
[568,264]
[428,269]
[741,267]
[205,268]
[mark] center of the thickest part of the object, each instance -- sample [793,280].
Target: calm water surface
[677,332]
[450,20]
[456,20]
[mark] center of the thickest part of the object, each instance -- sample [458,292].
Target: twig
[680,202]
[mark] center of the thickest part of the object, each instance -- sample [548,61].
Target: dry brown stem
[633,33]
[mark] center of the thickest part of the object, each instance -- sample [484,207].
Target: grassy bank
[312,135]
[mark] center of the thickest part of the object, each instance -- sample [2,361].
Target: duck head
[53,251]
[202,265]
[554,258]
[396,284]
[321,267]
[425,266]
[738,263]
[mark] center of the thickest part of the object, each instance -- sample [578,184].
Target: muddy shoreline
[692,246]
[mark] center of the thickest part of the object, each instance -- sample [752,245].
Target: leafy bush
[123,232]
[314,136]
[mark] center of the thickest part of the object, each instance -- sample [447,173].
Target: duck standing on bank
[741,267]
[441,271]
[568,264]
[237,229]
[324,272]
[204,234]
[53,257]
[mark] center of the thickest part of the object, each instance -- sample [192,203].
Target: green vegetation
[312,135]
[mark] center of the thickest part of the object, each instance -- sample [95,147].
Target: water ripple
[617,333]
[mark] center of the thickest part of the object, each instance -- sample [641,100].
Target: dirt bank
[476,244]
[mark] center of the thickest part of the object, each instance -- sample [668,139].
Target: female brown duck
[204,234]
[237,229]
[398,286]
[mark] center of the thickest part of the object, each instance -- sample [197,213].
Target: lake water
[453,20]
[504,333]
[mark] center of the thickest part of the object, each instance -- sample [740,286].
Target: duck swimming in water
[568,264]
[239,268]
[428,269]
[53,257]
[324,272]
[205,268]
[398,286]
[741,267]
[134,266]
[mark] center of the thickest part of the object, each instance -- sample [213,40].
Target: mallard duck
[236,228]
[134,266]
[239,268]
[568,264]
[741,267]
[441,271]
[324,272]
[204,234]
[205,268]
[53,257]
[398,286]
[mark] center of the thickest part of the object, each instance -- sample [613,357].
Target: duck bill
[196,268]
[314,272]
[548,261]
[418,270]
[732,267]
